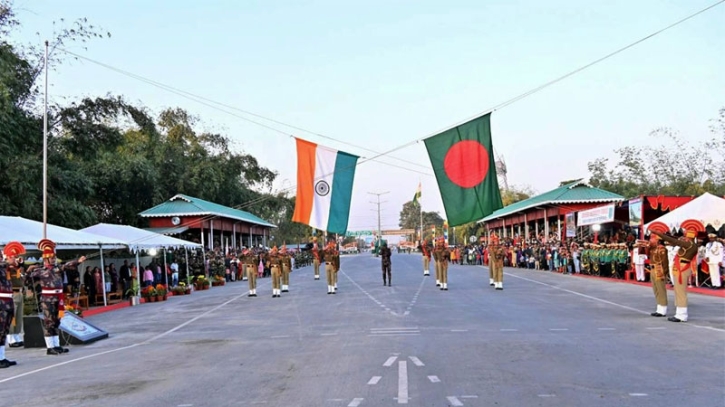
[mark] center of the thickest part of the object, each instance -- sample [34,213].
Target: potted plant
[149,293]
[218,280]
[202,283]
[186,290]
[160,292]
[132,294]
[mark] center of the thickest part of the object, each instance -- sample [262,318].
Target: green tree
[515,194]
[410,218]
[673,166]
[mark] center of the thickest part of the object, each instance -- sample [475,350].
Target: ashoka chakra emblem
[322,188]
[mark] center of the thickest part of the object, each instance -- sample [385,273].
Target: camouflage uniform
[385,254]
[51,301]
[6,310]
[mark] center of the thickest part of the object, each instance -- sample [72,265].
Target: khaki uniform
[316,260]
[250,267]
[437,265]
[275,266]
[286,269]
[659,269]
[330,255]
[685,262]
[444,256]
[496,258]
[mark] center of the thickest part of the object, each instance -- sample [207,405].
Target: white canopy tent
[707,209]
[30,232]
[139,239]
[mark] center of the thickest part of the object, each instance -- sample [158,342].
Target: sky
[375,75]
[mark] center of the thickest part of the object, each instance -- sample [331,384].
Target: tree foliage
[672,165]
[515,194]
[108,159]
[410,218]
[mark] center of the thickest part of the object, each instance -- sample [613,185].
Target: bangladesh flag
[463,162]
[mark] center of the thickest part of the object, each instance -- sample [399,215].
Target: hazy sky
[380,74]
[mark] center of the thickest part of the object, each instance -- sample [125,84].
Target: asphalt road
[545,340]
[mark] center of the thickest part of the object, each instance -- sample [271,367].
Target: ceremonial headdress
[274,250]
[712,235]
[690,233]
[283,249]
[47,247]
[14,249]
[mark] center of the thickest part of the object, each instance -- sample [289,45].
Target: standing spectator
[148,277]
[124,274]
[174,273]
[114,277]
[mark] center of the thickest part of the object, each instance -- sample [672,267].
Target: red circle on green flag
[466,163]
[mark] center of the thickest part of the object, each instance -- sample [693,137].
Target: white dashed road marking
[434,379]
[374,380]
[470,397]
[558,329]
[509,330]
[416,361]
[355,402]
[454,401]
[547,395]
[607,329]
[459,330]
[638,394]
[390,361]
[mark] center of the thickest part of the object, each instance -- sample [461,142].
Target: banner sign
[358,233]
[570,225]
[595,216]
[635,212]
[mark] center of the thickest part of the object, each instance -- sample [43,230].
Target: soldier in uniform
[497,253]
[387,264]
[685,263]
[16,333]
[425,250]
[444,256]
[659,268]
[316,258]
[594,259]
[7,308]
[436,262]
[286,267]
[336,263]
[714,257]
[51,298]
[585,259]
[274,262]
[329,257]
[249,264]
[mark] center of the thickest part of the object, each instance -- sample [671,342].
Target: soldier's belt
[52,292]
[6,295]
[274,266]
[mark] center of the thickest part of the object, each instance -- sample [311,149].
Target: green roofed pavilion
[212,224]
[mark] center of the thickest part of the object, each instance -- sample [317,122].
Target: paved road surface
[546,340]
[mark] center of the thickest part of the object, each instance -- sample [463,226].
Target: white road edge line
[473,396]
[416,361]
[402,382]
[638,394]
[355,402]
[454,401]
[605,301]
[459,330]
[390,361]
[374,380]
[147,341]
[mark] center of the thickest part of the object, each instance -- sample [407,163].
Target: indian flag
[324,187]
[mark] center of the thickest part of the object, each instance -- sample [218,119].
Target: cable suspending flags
[324,187]
[464,166]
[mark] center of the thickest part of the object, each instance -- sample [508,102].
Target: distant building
[208,223]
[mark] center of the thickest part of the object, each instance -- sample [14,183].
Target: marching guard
[7,306]
[286,268]
[329,257]
[51,298]
[659,269]
[275,266]
[497,253]
[316,257]
[685,263]
[249,263]
[425,250]
[444,255]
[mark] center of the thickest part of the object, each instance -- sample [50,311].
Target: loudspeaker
[33,327]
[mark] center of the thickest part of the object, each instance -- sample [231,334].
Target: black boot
[52,351]
[7,363]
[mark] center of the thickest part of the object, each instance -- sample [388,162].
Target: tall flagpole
[45,148]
